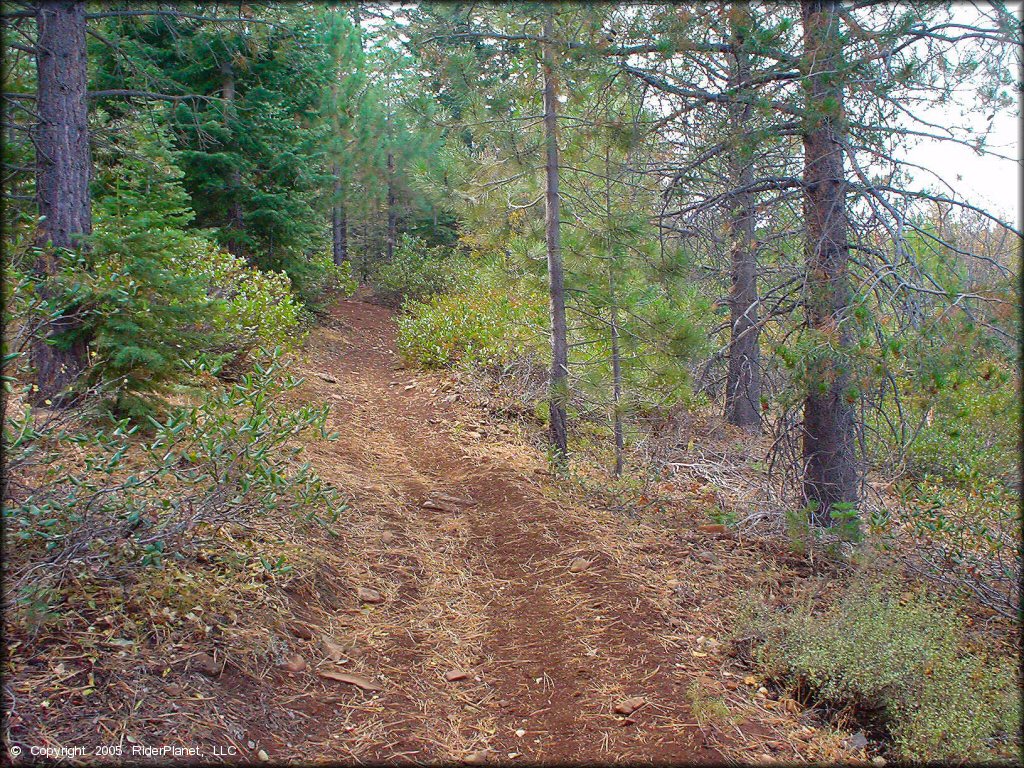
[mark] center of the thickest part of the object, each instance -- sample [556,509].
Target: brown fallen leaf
[441,506]
[477,758]
[456,674]
[367,595]
[301,630]
[346,677]
[629,706]
[387,537]
[295,664]
[206,664]
[580,564]
[332,650]
[717,528]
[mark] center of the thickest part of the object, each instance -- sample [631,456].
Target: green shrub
[317,280]
[474,327]
[76,490]
[902,658]
[971,426]
[151,320]
[254,309]
[415,272]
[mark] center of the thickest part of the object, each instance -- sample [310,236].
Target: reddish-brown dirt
[515,612]
[485,585]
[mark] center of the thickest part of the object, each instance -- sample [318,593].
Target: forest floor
[471,608]
[477,576]
[558,615]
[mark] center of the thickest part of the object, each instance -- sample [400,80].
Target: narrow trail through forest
[480,582]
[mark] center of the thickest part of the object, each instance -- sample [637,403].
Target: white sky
[986,181]
[983,180]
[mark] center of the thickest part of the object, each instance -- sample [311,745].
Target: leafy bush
[149,321]
[415,272]
[474,328]
[962,534]
[902,658]
[970,424]
[255,309]
[317,280]
[76,491]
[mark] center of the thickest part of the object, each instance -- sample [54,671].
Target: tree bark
[63,167]
[830,473]
[559,382]
[339,219]
[392,233]
[340,234]
[339,223]
[613,253]
[620,445]
[235,221]
[743,385]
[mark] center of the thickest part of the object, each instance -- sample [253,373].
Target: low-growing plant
[963,535]
[415,272]
[317,280]
[473,328]
[255,308]
[708,708]
[84,493]
[902,660]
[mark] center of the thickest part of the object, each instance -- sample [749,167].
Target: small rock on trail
[629,706]
[368,595]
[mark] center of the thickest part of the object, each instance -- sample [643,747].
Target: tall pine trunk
[743,385]
[830,472]
[339,219]
[559,383]
[613,324]
[391,237]
[235,221]
[620,444]
[339,222]
[63,167]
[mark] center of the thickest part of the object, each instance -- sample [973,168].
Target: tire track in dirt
[548,652]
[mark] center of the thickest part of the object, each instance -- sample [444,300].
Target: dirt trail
[482,585]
